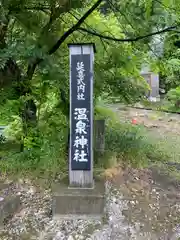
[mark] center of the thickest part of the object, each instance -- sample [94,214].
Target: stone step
[9,203]
[78,203]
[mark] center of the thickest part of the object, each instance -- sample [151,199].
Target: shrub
[45,147]
[14,131]
[174,97]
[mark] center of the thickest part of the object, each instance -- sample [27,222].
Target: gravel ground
[34,213]
[138,206]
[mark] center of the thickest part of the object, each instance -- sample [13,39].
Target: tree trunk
[10,75]
[29,118]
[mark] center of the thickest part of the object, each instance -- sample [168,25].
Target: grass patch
[128,143]
[163,105]
[166,144]
[124,142]
[45,156]
[8,147]
[34,163]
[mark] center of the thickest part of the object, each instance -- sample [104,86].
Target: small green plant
[14,130]
[174,97]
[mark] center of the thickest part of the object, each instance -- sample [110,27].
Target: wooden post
[99,140]
[99,136]
[81,115]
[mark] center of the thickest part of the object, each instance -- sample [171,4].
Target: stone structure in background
[156,50]
[153,80]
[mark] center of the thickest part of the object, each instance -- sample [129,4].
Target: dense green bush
[45,147]
[174,97]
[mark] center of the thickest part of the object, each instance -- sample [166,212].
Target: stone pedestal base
[78,203]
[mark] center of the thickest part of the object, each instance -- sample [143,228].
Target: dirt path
[151,205]
[154,197]
[161,121]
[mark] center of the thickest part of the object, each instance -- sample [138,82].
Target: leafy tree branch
[74,27]
[32,66]
[168,29]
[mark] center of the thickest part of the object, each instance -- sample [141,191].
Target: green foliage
[170,63]
[14,130]
[45,149]
[7,111]
[123,139]
[130,143]
[116,65]
[29,30]
[174,97]
[174,94]
[101,112]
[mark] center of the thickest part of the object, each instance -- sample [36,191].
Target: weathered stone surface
[73,203]
[3,185]
[8,206]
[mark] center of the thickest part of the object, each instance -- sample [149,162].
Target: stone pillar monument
[80,197]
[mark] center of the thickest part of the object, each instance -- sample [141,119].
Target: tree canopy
[34,53]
